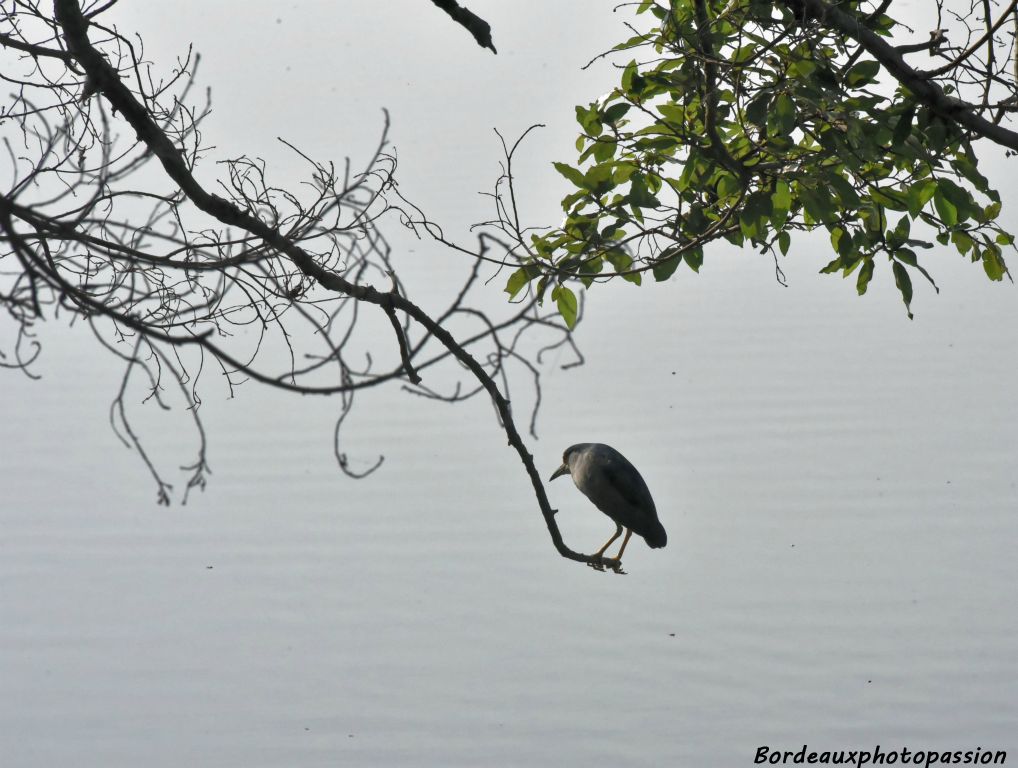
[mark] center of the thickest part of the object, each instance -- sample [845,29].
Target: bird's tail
[656,537]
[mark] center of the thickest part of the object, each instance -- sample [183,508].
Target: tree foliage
[752,122]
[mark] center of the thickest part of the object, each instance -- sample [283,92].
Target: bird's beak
[563,470]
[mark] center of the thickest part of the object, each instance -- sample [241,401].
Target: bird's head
[566,458]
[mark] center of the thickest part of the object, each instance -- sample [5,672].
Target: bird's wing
[628,484]
[621,493]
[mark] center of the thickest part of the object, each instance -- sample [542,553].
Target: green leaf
[851,262]
[693,259]
[756,110]
[658,143]
[845,191]
[903,128]
[604,148]
[520,278]
[665,266]
[958,197]
[832,267]
[728,185]
[919,194]
[842,242]
[889,198]
[575,176]
[908,257]
[784,113]
[589,120]
[599,178]
[636,278]
[542,286]
[898,237]
[865,274]
[754,215]
[616,112]
[962,241]
[565,300]
[619,259]
[993,265]
[802,68]
[781,203]
[623,172]
[627,75]
[970,170]
[947,210]
[818,204]
[904,283]
[639,195]
[784,241]
[862,73]
[632,81]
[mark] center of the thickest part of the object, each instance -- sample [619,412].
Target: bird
[614,485]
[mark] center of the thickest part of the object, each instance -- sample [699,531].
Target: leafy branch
[752,122]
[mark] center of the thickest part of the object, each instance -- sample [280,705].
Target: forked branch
[258,238]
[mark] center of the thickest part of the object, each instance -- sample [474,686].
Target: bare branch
[177,278]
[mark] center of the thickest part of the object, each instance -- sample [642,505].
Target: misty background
[837,482]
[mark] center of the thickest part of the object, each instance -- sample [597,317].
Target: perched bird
[608,479]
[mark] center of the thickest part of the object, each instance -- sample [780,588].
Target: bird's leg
[618,557]
[618,532]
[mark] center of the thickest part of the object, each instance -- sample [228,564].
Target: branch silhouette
[170,279]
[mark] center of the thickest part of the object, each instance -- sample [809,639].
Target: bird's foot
[604,563]
[615,564]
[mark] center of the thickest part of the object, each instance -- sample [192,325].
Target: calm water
[838,485]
